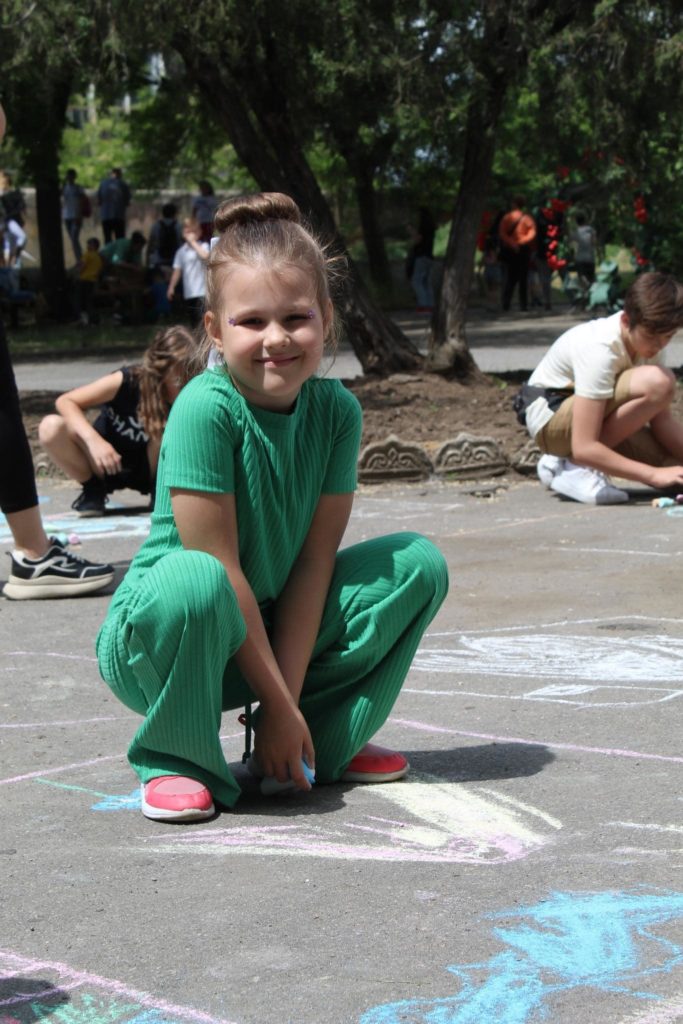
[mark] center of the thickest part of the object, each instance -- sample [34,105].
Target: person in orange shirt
[517,232]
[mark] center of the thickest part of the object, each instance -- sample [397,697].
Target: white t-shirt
[193,269]
[587,359]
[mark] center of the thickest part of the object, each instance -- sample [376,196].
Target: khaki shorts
[556,436]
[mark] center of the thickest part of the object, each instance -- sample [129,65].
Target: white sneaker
[547,467]
[587,485]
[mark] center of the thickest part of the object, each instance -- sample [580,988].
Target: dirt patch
[426,409]
[429,409]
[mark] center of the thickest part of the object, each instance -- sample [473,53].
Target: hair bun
[256,208]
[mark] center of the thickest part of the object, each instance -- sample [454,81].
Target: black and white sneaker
[59,573]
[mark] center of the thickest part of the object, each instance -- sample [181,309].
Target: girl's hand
[282,740]
[105,459]
[666,476]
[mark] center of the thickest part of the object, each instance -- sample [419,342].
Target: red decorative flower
[560,205]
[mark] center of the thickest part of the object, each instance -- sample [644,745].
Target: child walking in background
[90,269]
[121,448]
[240,593]
[189,267]
[599,401]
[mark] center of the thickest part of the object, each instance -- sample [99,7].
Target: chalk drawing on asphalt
[33,990]
[606,941]
[67,523]
[665,1011]
[579,696]
[431,821]
[557,656]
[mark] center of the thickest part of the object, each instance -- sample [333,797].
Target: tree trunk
[366,197]
[40,158]
[49,212]
[448,348]
[270,149]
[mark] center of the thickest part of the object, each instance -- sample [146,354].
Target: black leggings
[17,479]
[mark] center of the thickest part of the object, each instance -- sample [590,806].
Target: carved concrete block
[393,460]
[44,467]
[524,459]
[469,456]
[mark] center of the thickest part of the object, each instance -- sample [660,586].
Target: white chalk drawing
[619,659]
[36,990]
[580,696]
[432,822]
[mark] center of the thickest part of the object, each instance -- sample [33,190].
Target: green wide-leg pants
[167,653]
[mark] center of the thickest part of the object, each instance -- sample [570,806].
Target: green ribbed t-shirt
[276,464]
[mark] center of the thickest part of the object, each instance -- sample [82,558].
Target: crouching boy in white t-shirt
[599,401]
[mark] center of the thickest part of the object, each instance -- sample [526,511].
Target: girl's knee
[50,428]
[194,580]
[422,562]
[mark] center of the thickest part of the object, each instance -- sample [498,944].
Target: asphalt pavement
[529,868]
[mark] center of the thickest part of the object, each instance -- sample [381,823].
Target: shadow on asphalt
[21,995]
[481,763]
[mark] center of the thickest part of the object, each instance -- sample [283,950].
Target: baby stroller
[605,290]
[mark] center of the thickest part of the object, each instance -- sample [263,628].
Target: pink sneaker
[175,798]
[376,764]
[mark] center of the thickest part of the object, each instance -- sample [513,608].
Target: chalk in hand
[270,785]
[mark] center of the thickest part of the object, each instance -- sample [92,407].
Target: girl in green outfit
[240,593]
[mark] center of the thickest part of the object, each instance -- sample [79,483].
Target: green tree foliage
[255,74]
[46,48]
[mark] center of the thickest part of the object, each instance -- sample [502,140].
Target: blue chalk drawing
[101,526]
[108,802]
[598,940]
[152,1017]
[89,1009]
[125,802]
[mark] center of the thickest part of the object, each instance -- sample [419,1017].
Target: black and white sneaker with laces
[59,573]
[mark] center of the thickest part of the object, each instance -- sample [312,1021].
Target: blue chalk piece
[270,786]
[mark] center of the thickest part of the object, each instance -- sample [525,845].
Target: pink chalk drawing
[43,988]
[438,822]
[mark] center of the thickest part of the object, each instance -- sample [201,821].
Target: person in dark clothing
[121,448]
[165,239]
[421,259]
[41,565]
[517,232]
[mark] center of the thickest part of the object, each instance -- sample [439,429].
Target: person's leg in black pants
[41,565]
[17,479]
[524,257]
[512,264]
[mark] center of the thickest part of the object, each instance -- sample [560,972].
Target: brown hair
[173,348]
[265,230]
[655,302]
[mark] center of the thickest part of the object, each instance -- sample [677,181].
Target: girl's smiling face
[270,332]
